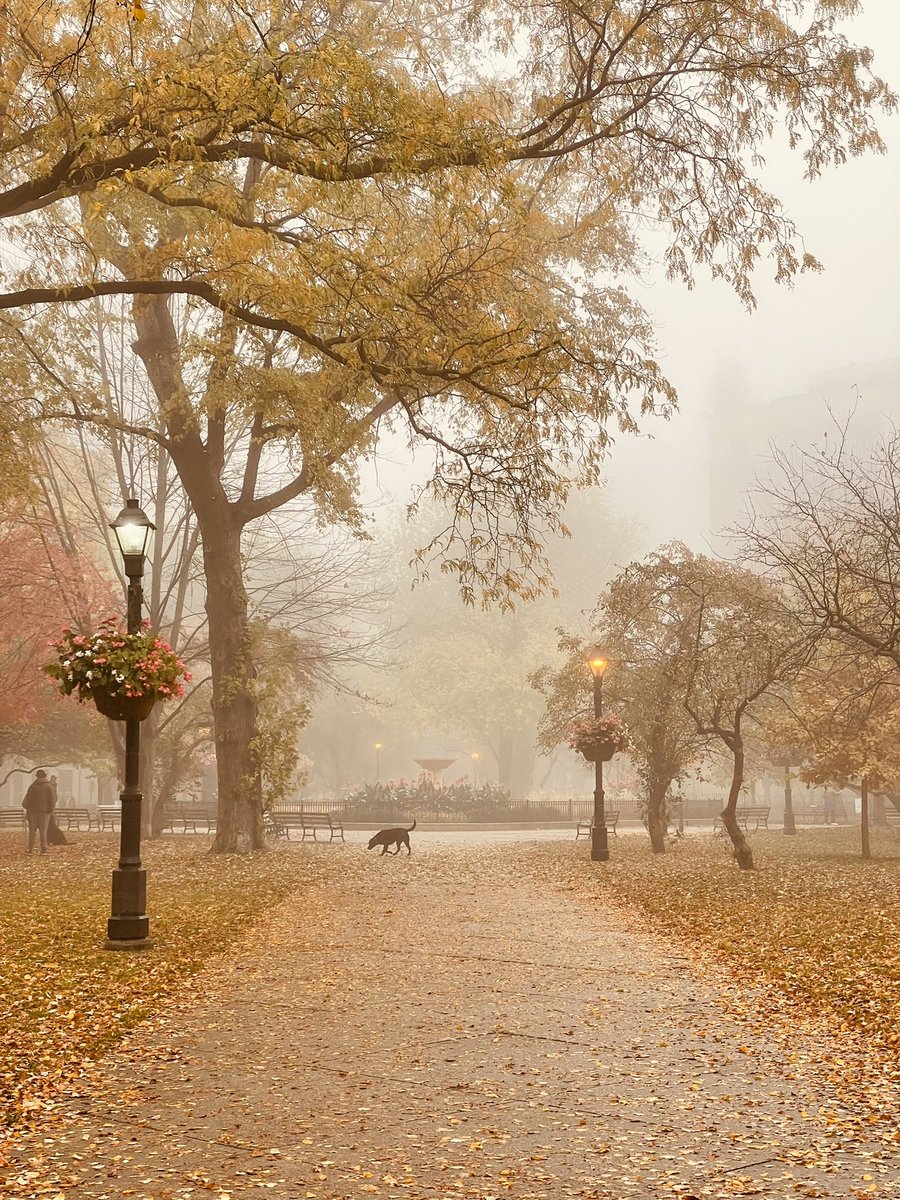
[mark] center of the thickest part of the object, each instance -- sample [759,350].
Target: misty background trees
[339,238]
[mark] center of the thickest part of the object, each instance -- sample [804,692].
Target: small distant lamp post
[128,927]
[599,839]
[378,762]
[475,757]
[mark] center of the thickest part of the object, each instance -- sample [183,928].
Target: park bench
[109,817]
[808,816]
[309,823]
[271,826]
[189,818]
[757,813]
[892,815]
[586,824]
[12,818]
[72,818]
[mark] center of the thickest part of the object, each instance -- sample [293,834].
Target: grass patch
[814,920]
[63,999]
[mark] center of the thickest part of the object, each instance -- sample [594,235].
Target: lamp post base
[599,845]
[145,943]
[129,926]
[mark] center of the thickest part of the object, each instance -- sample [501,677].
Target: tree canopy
[340,220]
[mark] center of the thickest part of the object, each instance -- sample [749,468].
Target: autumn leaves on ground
[814,934]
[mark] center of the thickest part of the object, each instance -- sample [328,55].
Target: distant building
[741,434]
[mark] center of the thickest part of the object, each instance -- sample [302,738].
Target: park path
[458,1023]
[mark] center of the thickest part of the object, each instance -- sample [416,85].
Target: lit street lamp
[128,927]
[378,762]
[599,840]
[475,757]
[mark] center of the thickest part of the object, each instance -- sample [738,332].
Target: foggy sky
[850,313]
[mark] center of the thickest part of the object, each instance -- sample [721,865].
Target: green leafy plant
[424,796]
[116,663]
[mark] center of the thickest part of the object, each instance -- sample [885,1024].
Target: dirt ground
[453,1024]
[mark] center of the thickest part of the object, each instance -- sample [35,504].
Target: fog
[716,353]
[719,355]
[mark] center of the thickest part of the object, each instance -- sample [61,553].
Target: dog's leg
[384,849]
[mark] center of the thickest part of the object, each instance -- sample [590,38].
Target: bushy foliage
[423,795]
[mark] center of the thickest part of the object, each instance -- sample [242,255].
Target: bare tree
[745,641]
[828,525]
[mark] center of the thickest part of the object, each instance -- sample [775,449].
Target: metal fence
[696,809]
[498,811]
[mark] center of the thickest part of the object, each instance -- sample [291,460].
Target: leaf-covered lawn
[814,920]
[63,998]
[814,924]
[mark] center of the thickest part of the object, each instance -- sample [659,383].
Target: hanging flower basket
[598,751]
[598,738]
[122,708]
[123,674]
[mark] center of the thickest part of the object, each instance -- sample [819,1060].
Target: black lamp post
[599,839]
[128,927]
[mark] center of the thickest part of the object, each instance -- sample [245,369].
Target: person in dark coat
[38,803]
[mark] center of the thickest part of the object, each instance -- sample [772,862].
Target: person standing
[55,836]
[38,803]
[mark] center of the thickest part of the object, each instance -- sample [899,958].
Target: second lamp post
[599,837]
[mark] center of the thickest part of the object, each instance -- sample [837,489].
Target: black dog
[386,837]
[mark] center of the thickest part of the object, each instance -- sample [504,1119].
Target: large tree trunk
[164,802]
[200,467]
[504,760]
[879,812]
[656,816]
[148,773]
[742,851]
[240,821]
[864,817]
[790,825]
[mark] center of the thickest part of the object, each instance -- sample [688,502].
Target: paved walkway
[453,1025]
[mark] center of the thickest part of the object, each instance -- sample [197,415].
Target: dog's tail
[412,827]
